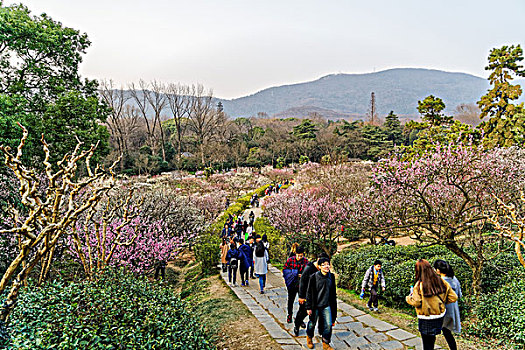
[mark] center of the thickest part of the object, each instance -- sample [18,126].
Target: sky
[238,47]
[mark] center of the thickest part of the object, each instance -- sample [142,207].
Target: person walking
[224,251]
[310,268]
[261,261]
[232,257]
[374,278]
[292,271]
[321,304]
[251,243]
[452,320]
[246,262]
[429,296]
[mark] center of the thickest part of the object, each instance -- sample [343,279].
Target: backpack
[259,250]
[234,261]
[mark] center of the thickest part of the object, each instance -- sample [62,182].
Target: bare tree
[151,102]
[116,99]
[468,114]
[179,102]
[50,215]
[205,121]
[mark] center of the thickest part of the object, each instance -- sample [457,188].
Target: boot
[309,342]
[327,346]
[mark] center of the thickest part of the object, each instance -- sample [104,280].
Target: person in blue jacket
[232,257]
[246,262]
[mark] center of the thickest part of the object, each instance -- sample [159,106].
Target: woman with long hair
[429,296]
[452,321]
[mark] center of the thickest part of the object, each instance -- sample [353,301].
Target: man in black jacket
[308,271]
[321,303]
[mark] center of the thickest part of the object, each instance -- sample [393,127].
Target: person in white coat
[261,258]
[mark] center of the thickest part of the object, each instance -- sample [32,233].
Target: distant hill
[348,95]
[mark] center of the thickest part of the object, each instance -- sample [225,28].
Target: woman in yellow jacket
[429,296]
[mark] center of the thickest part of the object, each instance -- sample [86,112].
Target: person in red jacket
[294,266]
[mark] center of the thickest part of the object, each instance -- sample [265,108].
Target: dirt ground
[244,332]
[219,309]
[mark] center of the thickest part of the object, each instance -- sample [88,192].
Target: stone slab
[392,345]
[399,334]
[356,342]
[381,326]
[376,338]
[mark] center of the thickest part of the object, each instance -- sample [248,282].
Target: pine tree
[506,125]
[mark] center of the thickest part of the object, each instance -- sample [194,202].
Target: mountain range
[348,95]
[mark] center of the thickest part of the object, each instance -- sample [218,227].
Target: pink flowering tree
[312,217]
[135,229]
[443,197]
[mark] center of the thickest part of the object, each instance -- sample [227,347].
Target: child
[374,277]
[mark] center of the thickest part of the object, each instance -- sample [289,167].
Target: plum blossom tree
[49,215]
[311,217]
[443,197]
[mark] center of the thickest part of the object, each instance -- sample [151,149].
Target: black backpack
[259,250]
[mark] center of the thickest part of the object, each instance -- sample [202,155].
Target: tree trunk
[475,265]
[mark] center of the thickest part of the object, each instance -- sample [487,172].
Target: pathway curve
[354,329]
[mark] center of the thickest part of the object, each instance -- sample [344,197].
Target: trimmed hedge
[501,314]
[399,262]
[206,248]
[117,310]
[278,245]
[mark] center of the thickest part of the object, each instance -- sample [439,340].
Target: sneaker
[242,284]
[370,308]
[262,291]
[234,285]
[376,309]
[247,283]
[289,319]
[296,331]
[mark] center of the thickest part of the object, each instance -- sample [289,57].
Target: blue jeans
[325,323]
[262,281]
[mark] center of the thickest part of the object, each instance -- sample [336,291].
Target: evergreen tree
[393,128]
[506,125]
[431,111]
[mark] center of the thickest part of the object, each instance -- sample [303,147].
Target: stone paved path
[354,329]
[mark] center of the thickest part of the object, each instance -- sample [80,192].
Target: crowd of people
[434,294]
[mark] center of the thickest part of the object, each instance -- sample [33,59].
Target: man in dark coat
[321,303]
[308,271]
[246,262]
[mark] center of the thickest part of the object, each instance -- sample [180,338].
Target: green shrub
[398,265]
[501,314]
[278,245]
[116,310]
[207,250]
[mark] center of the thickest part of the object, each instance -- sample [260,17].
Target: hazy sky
[237,47]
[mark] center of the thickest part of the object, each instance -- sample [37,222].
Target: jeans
[232,270]
[244,276]
[373,301]
[325,321]
[292,292]
[262,281]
